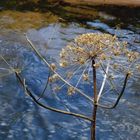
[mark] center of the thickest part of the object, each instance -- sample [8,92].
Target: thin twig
[81,76]
[4,75]
[12,69]
[72,75]
[103,83]
[46,85]
[119,97]
[110,82]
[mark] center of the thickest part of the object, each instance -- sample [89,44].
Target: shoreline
[129,3]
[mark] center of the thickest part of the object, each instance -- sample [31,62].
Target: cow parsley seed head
[89,46]
[53,78]
[71,90]
[101,48]
[85,77]
[53,66]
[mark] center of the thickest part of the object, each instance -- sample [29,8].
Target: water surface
[50,31]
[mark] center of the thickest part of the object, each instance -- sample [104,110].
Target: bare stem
[48,107]
[93,127]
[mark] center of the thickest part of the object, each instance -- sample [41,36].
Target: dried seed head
[50,79]
[71,91]
[130,73]
[97,65]
[103,56]
[138,67]
[53,66]
[115,65]
[81,61]
[56,88]
[64,63]
[87,46]
[116,52]
[53,78]
[85,77]
[102,48]
[124,43]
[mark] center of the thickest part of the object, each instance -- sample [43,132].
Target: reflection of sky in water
[22,119]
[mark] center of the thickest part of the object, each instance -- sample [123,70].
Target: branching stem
[48,107]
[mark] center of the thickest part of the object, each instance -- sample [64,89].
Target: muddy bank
[106,2]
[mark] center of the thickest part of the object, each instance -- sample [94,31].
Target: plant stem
[93,127]
[29,93]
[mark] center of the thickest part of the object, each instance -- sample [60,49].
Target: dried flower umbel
[101,47]
[90,52]
[102,50]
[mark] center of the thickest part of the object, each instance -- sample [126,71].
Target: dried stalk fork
[48,107]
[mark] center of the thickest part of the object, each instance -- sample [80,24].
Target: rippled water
[21,118]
